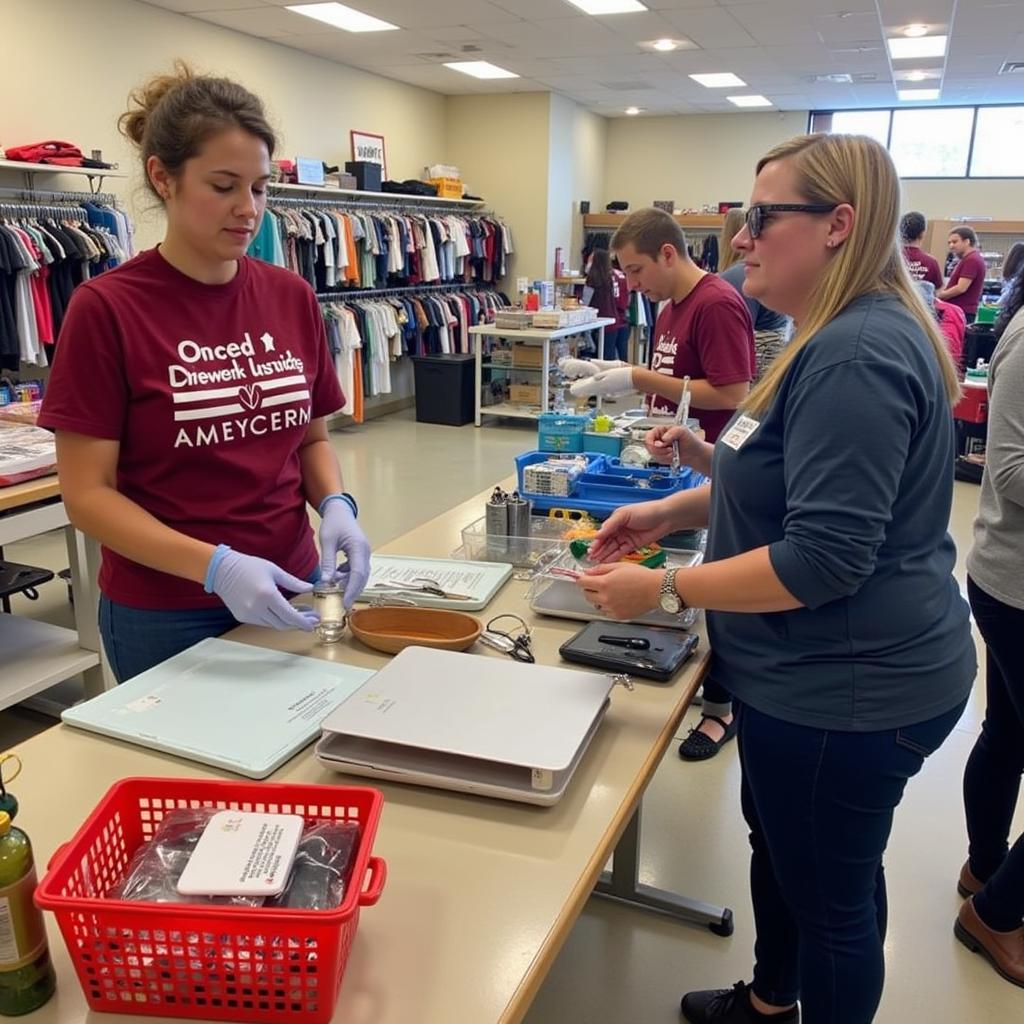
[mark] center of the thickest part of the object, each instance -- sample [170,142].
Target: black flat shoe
[728,1006]
[698,746]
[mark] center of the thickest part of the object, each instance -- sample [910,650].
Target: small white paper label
[242,854]
[542,779]
[738,434]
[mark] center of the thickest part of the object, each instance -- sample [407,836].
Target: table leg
[622,884]
[84,560]
[479,375]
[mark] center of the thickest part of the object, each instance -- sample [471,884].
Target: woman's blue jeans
[820,805]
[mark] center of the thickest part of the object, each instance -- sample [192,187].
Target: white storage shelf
[36,656]
[543,339]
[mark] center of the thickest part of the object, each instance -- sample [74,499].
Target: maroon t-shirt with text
[210,390]
[973,266]
[706,336]
[922,265]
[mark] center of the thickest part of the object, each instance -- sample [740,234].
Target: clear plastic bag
[322,867]
[318,879]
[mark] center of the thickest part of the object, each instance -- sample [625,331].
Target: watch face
[670,603]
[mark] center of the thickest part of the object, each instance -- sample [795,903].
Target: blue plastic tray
[604,488]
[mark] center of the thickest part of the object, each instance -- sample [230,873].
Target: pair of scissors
[421,585]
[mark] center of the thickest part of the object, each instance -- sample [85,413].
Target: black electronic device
[584,206]
[651,652]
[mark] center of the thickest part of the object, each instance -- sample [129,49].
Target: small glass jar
[329,604]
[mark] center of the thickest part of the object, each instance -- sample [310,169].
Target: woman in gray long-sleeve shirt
[989,921]
[832,610]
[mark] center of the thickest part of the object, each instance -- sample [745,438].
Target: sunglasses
[758,216]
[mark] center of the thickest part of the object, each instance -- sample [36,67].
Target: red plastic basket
[210,963]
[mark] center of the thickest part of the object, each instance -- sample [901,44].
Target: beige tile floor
[626,967]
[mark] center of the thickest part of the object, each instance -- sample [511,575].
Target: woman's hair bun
[144,100]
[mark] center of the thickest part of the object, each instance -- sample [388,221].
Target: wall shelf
[705,221]
[30,171]
[398,198]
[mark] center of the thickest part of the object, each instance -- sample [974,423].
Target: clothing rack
[31,197]
[402,204]
[343,294]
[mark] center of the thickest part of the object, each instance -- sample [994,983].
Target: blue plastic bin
[561,432]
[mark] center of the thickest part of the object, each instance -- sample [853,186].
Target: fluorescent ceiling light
[480,69]
[632,111]
[665,45]
[910,49]
[915,31]
[750,101]
[344,17]
[608,6]
[915,76]
[917,94]
[719,81]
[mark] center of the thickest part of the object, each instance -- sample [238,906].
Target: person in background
[967,279]
[704,331]
[832,610]
[1012,267]
[200,441]
[992,879]
[922,265]
[606,291]
[771,329]
[950,319]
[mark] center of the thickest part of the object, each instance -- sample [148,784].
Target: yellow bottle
[27,978]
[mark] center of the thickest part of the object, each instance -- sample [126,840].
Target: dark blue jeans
[993,773]
[136,639]
[820,805]
[616,343]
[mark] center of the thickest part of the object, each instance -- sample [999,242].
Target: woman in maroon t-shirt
[200,437]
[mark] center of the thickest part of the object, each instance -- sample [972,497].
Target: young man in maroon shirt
[703,332]
[922,265]
[968,278]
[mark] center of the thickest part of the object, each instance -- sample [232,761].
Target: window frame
[812,114]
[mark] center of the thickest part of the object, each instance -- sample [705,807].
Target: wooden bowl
[392,628]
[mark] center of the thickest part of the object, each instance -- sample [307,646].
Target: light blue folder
[231,705]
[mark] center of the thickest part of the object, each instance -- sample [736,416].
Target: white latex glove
[587,367]
[607,383]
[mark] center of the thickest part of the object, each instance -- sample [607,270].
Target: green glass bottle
[27,978]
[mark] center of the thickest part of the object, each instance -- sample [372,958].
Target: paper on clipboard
[479,580]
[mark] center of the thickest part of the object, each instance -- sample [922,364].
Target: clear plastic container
[329,604]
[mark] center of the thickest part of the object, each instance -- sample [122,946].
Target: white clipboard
[479,580]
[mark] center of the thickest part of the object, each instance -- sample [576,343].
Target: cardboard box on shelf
[524,394]
[527,355]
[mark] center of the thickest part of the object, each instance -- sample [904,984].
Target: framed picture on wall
[369,147]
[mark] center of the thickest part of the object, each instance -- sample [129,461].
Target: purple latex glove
[339,531]
[249,586]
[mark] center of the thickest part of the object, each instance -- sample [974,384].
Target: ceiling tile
[193,6]
[261,21]
[710,27]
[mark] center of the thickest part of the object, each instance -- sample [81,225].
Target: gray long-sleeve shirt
[848,479]
[996,562]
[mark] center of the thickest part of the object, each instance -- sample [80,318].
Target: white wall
[706,158]
[68,66]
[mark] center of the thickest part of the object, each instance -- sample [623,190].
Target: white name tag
[737,435]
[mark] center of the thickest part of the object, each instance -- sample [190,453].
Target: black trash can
[444,389]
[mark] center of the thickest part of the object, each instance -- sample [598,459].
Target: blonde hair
[857,170]
[727,255]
